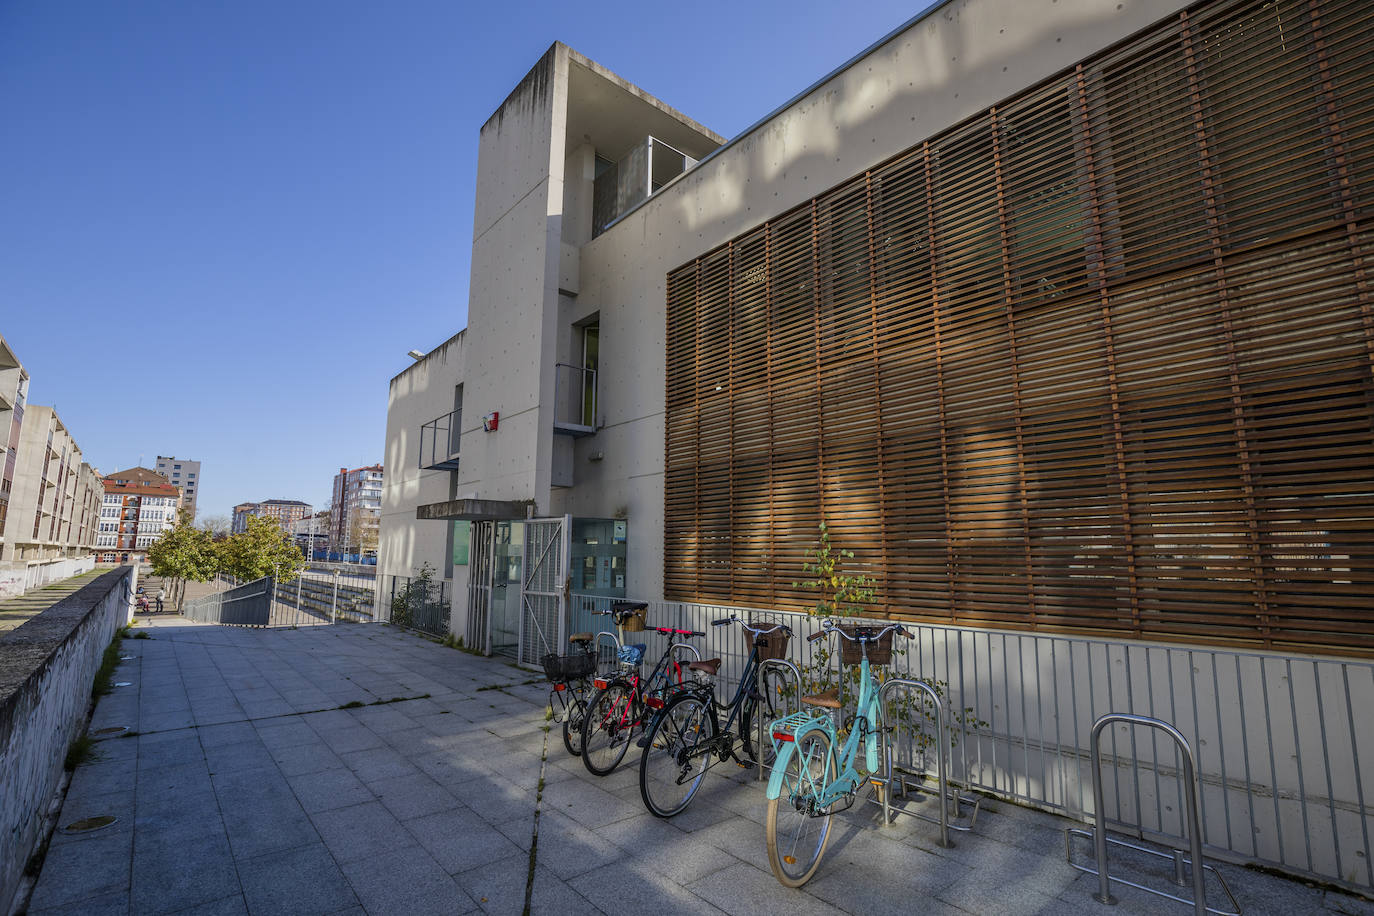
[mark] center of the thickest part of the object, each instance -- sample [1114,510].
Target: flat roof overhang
[472,510]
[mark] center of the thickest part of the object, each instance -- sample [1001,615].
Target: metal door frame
[534,567]
[481,568]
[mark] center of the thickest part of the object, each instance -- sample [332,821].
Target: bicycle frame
[707,693]
[788,731]
[640,689]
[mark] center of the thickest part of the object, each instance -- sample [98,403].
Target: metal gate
[544,588]
[479,587]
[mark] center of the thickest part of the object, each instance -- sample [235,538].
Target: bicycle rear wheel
[607,728]
[769,705]
[796,838]
[573,718]
[677,755]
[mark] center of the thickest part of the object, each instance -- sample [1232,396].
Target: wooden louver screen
[1096,360]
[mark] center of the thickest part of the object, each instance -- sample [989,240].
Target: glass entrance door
[508,554]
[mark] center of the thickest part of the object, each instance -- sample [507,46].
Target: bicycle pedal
[643,741]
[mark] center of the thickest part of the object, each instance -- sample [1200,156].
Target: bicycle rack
[761,725]
[897,776]
[1099,833]
[696,656]
[615,646]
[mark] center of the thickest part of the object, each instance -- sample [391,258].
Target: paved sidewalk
[248,790]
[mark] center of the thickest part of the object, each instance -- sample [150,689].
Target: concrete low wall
[46,671]
[17,578]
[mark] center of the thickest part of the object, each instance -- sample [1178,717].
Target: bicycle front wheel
[677,755]
[606,729]
[573,717]
[796,837]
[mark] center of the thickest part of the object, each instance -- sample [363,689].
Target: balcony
[574,399]
[648,166]
[439,442]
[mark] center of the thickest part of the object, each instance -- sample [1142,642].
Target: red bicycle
[620,707]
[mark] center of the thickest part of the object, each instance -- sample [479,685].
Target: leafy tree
[262,549]
[184,552]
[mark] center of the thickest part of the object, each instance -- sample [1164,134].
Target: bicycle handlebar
[754,630]
[668,630]
[828,627]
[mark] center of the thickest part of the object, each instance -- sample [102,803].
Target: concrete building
[285,512]
[14,390]
[354,511]
[312,534]
[1054,311]
[53,502]
[183,473]
[138,505]
[49,495]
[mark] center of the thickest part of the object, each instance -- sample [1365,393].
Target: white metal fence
[1283,743]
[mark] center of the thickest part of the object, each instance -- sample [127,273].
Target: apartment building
[53,502]
[138,505]
[1053,311]
[312,534]
[14,389]
[183,473]
[285,512]
[355,511]
[49,495]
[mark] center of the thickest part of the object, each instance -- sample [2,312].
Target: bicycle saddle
[580,637]
[829,699]
[709,665]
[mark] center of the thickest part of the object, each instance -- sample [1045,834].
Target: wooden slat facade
[1097,360]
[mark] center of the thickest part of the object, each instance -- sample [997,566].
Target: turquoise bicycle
[810,782]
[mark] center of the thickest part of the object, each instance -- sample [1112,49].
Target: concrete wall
[46,671]
[17,578]
[418,395]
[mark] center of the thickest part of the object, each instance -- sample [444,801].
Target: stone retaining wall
[46,670]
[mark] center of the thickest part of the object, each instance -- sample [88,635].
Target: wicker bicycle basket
[879,653]
[560,668]
[771,645]
[634,623]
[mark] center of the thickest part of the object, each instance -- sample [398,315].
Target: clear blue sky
[222,225]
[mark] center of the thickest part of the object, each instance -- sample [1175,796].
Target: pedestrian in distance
[161,593]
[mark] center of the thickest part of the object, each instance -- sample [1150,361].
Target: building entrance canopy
[472,510]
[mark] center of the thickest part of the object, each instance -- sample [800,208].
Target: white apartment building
[1053,311]
[137,506]
[183,473]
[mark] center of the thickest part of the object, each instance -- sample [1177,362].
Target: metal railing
[574,398]
[1281,764]
[310,599]
[439,441]
[417,604]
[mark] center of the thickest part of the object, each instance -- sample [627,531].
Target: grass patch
[141,635]
[81,750]
[104,676]
[353,704]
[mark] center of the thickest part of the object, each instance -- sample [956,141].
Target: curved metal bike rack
[1099,833]
[596,646]
[696,656]
[941,753]
[762,726]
